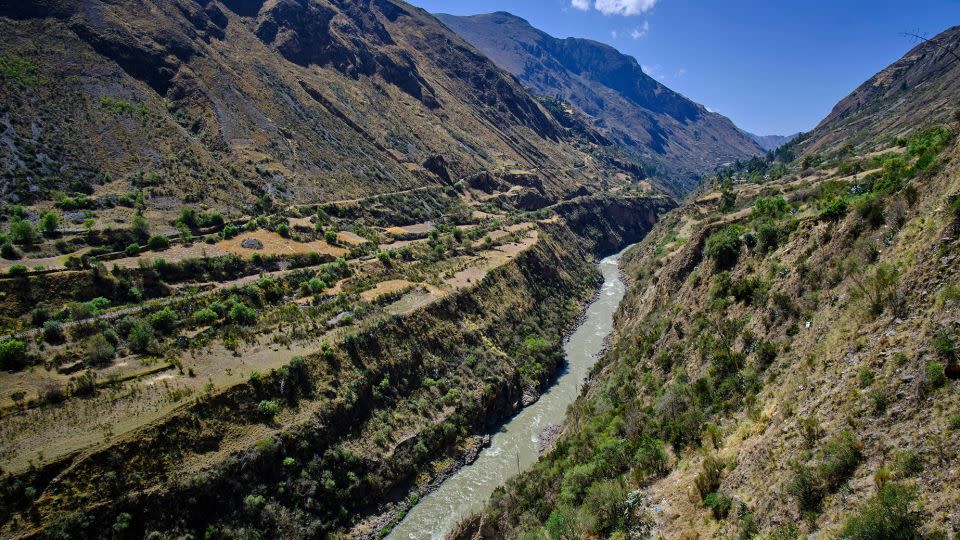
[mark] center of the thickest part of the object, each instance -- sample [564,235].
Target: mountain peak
[675,135]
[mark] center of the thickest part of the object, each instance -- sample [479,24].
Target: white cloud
[681,72]
[615,7]
[622,7]
[614,34]
[641,30]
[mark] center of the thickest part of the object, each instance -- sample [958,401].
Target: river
[515,446]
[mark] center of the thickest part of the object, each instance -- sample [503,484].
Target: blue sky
[773,67]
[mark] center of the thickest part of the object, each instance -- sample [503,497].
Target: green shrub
[99,350]
[865,376]
[140,228]
[834,208]
[807,488]
[879,401]
[204,317]
[132,250]
[230,231]
[770,207]
[935,375]
[708,480]
[163,321]
[17,270]
[267,408]
[283,230]
[944,345]
[908,463]
[50,223]
[22,232]
[890,515]
[576,480]
[240,313]
[871,210]
[719,504]
[723,246]
[13,354]
[606,502]
[53,332]
[158,242]
[140,336]
[7,251]
[316,286]
[330,237]
[839,459]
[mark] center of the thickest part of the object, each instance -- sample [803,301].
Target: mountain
[920,88]
[223,102]
[682,139]
[771,142]
[786,359]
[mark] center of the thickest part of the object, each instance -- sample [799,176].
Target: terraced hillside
[225,102]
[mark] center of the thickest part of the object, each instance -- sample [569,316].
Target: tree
[22,232]
[723,246]
[13,354]
[140,228]
[50,223]
[158,242]
[728,197]
[141,336]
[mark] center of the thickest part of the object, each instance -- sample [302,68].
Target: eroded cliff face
[353,433]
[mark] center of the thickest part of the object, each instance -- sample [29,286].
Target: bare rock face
[251,243]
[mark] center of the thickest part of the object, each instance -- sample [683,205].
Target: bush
[889,515]
[163,321]
[140,337]
[708,480]
[7,251]
[17,270]
[99,350]
[935,375]
[158,242]
[871,210]
[140,228]
[267,408]
[316,285]
[204,317]
[807,488]
[330,237]
[22,232]
[50,223]
[606,502]
[908,463]
[83,384]
[241,313]
[840,458]
[723,246]
[719,504]
[230,231]
[13,354]
[770,207]
[53,332]
[132,250]
[834,208]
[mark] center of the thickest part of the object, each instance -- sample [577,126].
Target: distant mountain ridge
[771,142]
[681,138]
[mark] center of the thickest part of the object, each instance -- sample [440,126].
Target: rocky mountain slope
[787,355]
[224,102]
[921,87]
[772,142]
[679,137]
